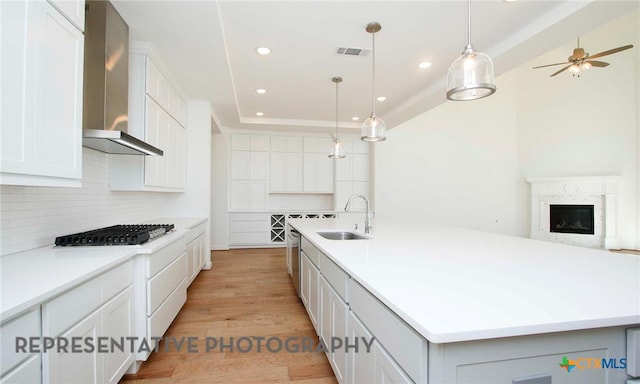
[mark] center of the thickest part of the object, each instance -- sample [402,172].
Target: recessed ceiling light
[381,98]
[259,114]
[263,50]
[261,91]
[424,64]
[355,118]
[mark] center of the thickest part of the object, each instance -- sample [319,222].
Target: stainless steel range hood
[106,83]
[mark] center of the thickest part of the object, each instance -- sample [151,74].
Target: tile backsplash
[32,217]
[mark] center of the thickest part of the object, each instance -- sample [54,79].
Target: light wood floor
[247,293]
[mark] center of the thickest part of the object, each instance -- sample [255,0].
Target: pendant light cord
[373,81]
[469,22]
[336,111]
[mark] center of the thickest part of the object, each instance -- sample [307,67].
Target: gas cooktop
[128,234]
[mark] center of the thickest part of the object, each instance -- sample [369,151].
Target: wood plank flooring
[247,293]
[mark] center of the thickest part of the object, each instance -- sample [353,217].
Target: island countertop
[453,284]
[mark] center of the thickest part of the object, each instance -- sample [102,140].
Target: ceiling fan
[582,60]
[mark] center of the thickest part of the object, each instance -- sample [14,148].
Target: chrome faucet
[367,224]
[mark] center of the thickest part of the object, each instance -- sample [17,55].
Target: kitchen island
[489,307]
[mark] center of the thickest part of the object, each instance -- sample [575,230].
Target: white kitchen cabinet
[157,115]
[19,366]
[249,229]
[352,175]
[286,164]
[196,251]
[72,10]
[317,166]
[310,289]
[385,369]
[360,365]
[333,324]
[249,175]
[162,292]
[42,68]
[101,307]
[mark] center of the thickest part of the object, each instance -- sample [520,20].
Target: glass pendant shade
[337,149]
[470,76]
[373,129]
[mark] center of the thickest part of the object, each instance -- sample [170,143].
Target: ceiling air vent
[352,51]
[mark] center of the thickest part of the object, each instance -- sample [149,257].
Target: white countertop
[452,284]
[32,277]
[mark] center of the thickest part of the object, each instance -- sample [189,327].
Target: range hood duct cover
[106,83]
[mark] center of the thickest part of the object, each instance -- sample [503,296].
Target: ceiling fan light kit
[337,148]
[373,129]
[470,76]
[581,60]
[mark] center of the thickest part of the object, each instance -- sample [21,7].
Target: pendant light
[337,149]
[470,76]
[373,128]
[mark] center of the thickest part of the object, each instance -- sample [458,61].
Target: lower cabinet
[100,309]
[196,252]
[309,289]
[385,369]
[333,328]
[20,367]
[360,361]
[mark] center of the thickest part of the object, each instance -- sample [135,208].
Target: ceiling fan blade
[611,51]
[595,63]
[562,70]
[550,65]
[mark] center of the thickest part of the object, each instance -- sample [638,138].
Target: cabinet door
[59,70]
[309,172]
[344,169]
[86,367]
[278,171]
[259,165]
[333,324]
[325,173]
[360,165]
[118,323]
[293,166]
[385,369]
[359,361]
[73,10]
[240,165]
[305,265]
[239,194]
[258,195]
[27,372]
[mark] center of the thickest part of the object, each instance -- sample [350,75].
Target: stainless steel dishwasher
[293,247]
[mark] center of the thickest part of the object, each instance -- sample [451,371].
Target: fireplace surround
[582,211]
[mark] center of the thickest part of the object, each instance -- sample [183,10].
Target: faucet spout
[367,224]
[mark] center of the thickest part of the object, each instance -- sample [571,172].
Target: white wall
[219,191]
[465,163]
[32,217]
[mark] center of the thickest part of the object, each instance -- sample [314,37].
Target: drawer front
[159,322]
[249,238]
[249,226]
[65,310]
[249,217]
[334,275]
[310,250]
[117,280]
[195,232]
[162,284]
[163,257]
[406,346]
[27,325]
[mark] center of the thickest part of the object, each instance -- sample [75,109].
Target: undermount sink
[341,235]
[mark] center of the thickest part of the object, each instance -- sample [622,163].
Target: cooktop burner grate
[129,234]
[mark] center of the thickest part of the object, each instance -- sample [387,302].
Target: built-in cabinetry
[42,55]
[100,308]
[196,251]
[249,172]
[352,174]
[157,115]
[286,164]
[163,291]
[388,350]
[18,366]
[317,166]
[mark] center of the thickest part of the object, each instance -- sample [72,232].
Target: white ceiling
[209,49]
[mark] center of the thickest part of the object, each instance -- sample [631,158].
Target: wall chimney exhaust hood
[106,83]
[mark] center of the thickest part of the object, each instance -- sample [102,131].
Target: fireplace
[571,218]
[581,210]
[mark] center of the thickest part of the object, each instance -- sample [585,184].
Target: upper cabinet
[352,174]
[286,164]
[158,116]
[42,55]
[249,172]
[317,167]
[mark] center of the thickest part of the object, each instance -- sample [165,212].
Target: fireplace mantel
[601,191]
